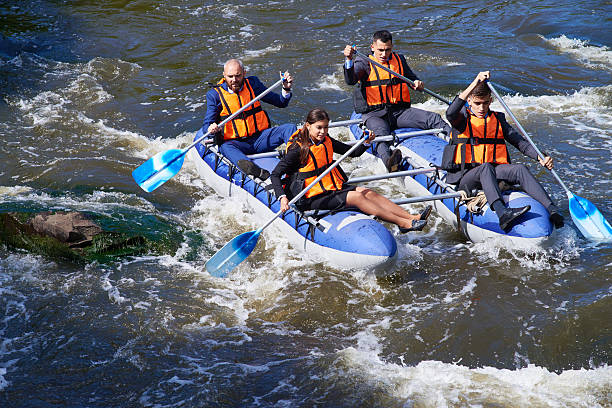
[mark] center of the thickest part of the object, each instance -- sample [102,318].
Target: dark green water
[90,90]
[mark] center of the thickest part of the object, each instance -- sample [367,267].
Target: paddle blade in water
[159,169]
[234,252]
[588,219]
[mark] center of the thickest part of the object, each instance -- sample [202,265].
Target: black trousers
[486,177]
[383,122]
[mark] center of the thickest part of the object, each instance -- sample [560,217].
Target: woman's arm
[342,148]
[289,164]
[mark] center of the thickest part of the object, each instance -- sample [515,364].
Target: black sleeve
[359,70]
[513,137]
[289,164]
[342,148]
[456,114]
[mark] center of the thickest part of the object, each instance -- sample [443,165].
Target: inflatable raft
[345,239]
[425,151]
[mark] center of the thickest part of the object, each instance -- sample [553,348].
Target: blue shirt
[214,107]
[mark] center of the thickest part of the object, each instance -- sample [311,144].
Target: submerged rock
[71,228]
[70,235]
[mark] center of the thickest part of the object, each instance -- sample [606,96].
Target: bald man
[250,132]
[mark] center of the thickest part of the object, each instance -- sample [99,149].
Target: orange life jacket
[254,119]
[320,157]
[382,89]
[482,141]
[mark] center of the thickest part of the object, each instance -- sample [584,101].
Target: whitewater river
[90,90]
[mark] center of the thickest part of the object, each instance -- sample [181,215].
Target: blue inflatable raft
[425,151]
[345,239]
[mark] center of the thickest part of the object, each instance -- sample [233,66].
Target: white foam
[329,82]
[127,353]
[101,202]
[590,55]
[83,89]
[438,384]
[26,266]
[199,12]
[15,190]
[112,290]
[258,53]
[229,12]
[3,382]
[587,103]
[585,111]
[247,31]
[43,108]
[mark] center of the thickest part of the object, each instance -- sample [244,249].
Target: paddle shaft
[352,142]
[388,176]
[315,181]
[238,112]
[340,123]
[422,199]
[403,78]
[524,133]
[401,136]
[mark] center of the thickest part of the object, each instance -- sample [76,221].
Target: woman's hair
[481,90]
[303,138]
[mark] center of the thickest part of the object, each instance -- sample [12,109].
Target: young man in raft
[477,157]
[383,99]
[249,132]
[309,152]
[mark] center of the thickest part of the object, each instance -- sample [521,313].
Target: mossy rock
[16,230]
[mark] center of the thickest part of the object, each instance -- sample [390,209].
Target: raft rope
[300,216]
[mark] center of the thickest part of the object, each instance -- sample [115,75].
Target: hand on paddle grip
[349,51]
[217,133]
[370,136]
[284,203]
[418,85]
[546,162]
[287,81]
[214,128]
[483,76]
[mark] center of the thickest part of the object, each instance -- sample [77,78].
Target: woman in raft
[310,151]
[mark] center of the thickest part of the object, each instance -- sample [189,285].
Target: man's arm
[280,101]
[355,70]
[213,109]
[456,114]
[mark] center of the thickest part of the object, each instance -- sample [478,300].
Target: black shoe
[509,215]
[417,225]
[426,213]
[393,162]
[252,169]
[264,175]
[555,216]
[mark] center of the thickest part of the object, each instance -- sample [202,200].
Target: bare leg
[387,205]
[375,204]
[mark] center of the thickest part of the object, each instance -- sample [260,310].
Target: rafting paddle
[586,216]
[239,248]
[403,78]
[164,165]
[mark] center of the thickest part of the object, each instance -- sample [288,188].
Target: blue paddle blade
[159,169]
[588,219]
[234,252]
